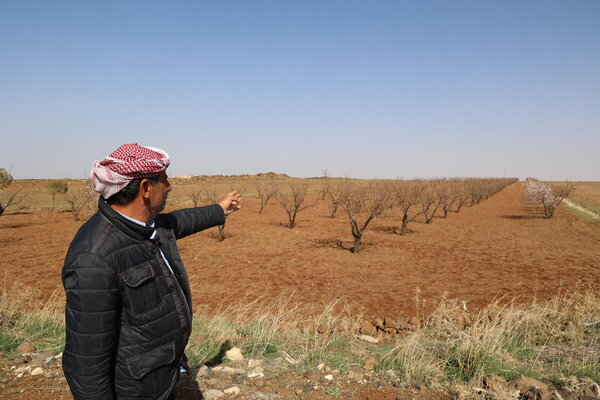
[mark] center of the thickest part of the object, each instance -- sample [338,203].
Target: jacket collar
[130,228]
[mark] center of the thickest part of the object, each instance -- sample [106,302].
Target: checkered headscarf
[126,163]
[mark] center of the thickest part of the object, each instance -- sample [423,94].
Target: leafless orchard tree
[293,201]
[210,195]
[57,186]
[8,197]
[326,187]
[407,194]
[452,188]
[195,193]
[81,199]
[266,190]
[431,199]
[362,203]
[463,195]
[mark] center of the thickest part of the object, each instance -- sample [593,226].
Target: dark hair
[128,193]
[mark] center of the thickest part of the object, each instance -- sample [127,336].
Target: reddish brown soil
[501,247]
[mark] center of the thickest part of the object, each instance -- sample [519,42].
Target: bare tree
[211,196]
[80,198]
[362,204]
[326,187]
[8,198]
[266,190]
[431,199]
[57,186]
[407,194]
[194,193]
[293,201]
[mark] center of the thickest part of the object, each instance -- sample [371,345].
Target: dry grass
[556,341]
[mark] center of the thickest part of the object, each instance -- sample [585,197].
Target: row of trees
[80,198]
[362,202]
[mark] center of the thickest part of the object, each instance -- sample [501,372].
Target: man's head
[133,173]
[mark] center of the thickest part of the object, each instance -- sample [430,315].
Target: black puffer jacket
[128,317]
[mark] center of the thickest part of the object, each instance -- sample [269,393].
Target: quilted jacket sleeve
[91,318]
[191,220]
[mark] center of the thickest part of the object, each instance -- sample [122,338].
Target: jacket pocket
[140,365]
[140,287]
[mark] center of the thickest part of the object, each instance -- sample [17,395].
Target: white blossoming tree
[548,196]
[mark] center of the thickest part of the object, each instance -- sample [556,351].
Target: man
[128,311]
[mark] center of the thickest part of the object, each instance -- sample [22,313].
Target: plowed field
[501,247]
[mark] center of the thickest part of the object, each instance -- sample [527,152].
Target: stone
[257,372]
[298,392]
[370,363]
[493,382]
[366,328]
[213,394]
[595,389]
[367,338]
[49,360]
[378,322]
[254,363]
[24,369]
[20,375]
[26,348]
[524,383]
[390,322]
[321,367]
[312,375]
[202,371]
[534,393]
[37,371]
[234,354]
[329,377]
[233,391]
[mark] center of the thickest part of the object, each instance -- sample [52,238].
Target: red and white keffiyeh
[127,162]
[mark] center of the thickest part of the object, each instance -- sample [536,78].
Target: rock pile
[390,326]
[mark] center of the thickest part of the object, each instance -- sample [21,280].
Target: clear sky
[365,88]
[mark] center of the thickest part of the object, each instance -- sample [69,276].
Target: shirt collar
[148,225]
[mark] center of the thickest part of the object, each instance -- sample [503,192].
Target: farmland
[498,248]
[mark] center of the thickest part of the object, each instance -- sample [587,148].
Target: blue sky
[365,88]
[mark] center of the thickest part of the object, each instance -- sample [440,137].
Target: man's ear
[144,190]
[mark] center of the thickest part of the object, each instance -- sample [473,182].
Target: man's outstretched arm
[191,220]
[91,318]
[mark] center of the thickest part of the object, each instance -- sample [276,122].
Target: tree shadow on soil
[393,230]
[522,217]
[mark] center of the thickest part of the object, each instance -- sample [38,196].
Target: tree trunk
[404,224]
[356,247]
[221,236]
[53,196]
[292,222]
[2,209]
[333,212]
